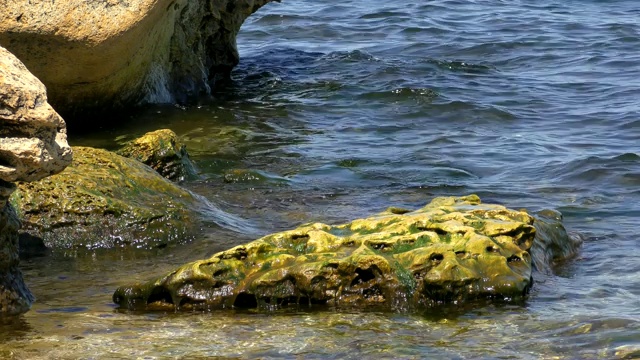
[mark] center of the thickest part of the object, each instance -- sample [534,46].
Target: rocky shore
[98,56]
[110,54]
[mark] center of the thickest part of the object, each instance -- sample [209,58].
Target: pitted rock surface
[452,250]
[33,137]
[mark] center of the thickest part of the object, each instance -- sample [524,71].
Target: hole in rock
[492,249]
[332,265]
[245,301]
[461,254]
[238,254]
[436,257]
[160,294]
[299,236]
[380,246]
[513,258]
[434,229]
[219,272]
[363,275]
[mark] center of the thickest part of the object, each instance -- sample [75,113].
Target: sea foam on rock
[450,251]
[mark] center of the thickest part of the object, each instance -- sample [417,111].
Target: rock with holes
[452,250]
[102,54]
[103,200]
[163,151]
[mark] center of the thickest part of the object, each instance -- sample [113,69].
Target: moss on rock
[163,151]
[453,249]
[105,200]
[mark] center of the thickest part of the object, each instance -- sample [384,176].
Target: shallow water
[339,111]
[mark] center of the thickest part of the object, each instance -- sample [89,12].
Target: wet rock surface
[163,151]
[33,145]
[104,200]
[108,54]
[452,250]
[15,297]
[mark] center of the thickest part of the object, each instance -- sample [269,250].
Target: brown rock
[33,137]
[108,53]
[33,145]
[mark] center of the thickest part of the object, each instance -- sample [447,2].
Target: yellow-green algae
[451,250]
[163,151]
[105,200]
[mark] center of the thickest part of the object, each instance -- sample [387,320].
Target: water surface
[341,110]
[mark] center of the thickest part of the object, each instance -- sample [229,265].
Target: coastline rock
[103,54]
[33,145]
[163,151]
[450,251]
[15,297]
[104,200]
[553,245]
[33,137]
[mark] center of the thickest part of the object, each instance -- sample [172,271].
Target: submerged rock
[15,297]
[452,250]
[105,200]
[163,151]
[111,53]
[33,145]
[243,175]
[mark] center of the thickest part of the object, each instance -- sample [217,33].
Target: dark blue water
[339,110]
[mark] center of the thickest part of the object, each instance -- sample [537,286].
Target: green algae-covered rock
[163,151]
[453,249]
[105,200]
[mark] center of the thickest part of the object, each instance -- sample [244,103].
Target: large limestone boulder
[33,145]
[452,250]
[104,200]
[109,53]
